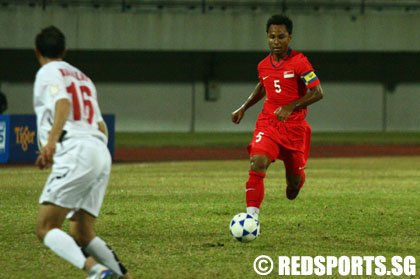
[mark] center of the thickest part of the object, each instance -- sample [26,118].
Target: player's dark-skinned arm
[314,95]
[255,97]
[62,111]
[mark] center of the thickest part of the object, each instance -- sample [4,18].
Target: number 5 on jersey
[277,85]
[259,137]
[87,105]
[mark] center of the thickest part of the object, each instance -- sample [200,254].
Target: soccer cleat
[292,193]
[100,272]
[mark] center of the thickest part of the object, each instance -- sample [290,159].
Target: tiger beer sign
[24,137]
[18,137]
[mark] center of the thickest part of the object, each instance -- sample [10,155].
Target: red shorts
[288,141]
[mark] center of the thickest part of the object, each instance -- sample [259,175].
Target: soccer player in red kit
[289,83]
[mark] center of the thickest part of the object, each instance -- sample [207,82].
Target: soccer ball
[244,227]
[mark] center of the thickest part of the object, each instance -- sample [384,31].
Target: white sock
[101,252]
[254,211]
[64,245]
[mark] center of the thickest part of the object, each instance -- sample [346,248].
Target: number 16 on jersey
[87,104]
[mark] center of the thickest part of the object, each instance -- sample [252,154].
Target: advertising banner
[18,138]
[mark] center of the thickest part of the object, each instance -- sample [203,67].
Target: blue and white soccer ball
[244,227]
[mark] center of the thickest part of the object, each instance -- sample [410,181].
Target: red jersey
[286,81]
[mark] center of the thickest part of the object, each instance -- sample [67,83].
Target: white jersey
[59,80]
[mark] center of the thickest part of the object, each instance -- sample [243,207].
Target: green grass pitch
[170,220]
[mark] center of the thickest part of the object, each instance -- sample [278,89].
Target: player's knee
[259,163]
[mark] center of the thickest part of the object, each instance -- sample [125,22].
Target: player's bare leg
[50,216]
[82,229]
[48,230]
[260,163]
[255,184]
[294,184]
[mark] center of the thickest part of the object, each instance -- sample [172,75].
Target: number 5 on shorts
[259,136]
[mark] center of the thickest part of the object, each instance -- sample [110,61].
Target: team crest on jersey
[53,90]
[309,77]
[289,74]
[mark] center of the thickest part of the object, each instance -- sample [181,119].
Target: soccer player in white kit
[73,138]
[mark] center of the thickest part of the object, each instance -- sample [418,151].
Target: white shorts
[79,175]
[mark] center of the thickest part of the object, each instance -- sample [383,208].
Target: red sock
[255,189]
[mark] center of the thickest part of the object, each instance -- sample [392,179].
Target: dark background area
[176,66]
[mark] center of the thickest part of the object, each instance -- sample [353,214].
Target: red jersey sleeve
[305,71]
[259,73]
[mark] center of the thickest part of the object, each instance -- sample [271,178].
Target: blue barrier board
[18,138]
[4,138]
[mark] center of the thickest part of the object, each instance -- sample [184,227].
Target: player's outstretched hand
[237,115]
[45,158]
[40,163]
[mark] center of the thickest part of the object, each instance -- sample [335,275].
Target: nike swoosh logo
[264,78]
[301,168]
[249,189]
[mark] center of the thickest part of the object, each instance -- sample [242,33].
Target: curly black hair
[280,20]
